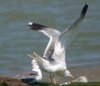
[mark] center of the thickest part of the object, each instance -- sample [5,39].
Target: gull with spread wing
[53,60]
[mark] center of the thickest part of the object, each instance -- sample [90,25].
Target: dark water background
[17,40]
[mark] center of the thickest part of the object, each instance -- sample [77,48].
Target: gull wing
[53,34]
[50,32]
[72,30]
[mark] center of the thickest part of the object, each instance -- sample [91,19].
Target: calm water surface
[17,40]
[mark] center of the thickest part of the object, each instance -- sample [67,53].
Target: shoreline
[5,81]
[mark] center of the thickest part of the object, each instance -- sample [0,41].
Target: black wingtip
[84,10]
[35,26]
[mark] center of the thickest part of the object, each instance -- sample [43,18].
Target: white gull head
[81,79]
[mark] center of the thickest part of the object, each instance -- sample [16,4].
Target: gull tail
[38,58]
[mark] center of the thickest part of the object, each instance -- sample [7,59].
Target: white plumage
[35,67]
[53,60]
[81,79]
[30,77]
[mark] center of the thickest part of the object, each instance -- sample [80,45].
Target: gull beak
[71,76]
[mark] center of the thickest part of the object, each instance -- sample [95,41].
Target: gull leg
[54,80]
[51,78]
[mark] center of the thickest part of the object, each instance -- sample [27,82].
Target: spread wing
[69,33]
[53,34]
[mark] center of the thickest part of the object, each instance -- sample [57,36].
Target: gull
[53,60]
[81,79]
[31,77]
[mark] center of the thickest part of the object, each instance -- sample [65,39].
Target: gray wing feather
[72,30]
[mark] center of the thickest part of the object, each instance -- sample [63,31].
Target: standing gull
[53,60]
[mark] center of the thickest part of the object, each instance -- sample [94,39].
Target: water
[17,40]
